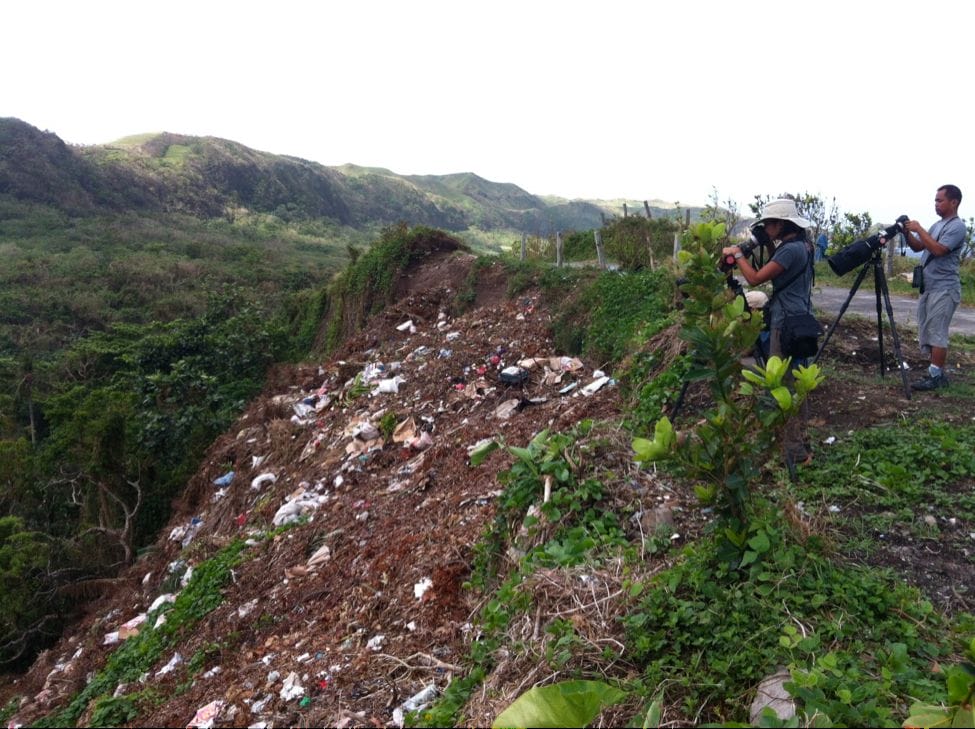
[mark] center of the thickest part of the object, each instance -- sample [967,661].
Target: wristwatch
[738,255]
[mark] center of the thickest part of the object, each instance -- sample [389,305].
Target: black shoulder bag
[800,332]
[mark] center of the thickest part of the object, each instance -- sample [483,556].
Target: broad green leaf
[964,717]
[479,454]
[652,719]
[925,715]
[783,397]
[565,704]
[759,542]
[522,453]
[752,376]
[959,683]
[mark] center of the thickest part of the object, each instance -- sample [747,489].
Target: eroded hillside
[315,569]
[359,607]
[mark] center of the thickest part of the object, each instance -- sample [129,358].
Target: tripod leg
[878,273]
[679,403]
[894,338]
[846,304]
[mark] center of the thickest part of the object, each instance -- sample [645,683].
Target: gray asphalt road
[864,303]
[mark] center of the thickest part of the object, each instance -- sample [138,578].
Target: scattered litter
[301,504]
[167,597]
[421,587]
[598,373]
[258,706]
[407,326]
[513,375]
[322,555]
[247,608]
[771,693]
[506,409]
[206,716]
[365,431]
[212,672]
[257,461]
[390,386]
[185,534]
[292,688]
[405,431]
[451,336]
[376,643]
[421,442]
[416,702]
[264,478]
[131,627]
[373,371]
[568,388]
[303,409]
[224,480]
[171,666]
[834,509]
[831,440]
[595,385]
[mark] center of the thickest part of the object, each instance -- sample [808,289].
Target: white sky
[861,101]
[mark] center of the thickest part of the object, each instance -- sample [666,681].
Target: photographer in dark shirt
[790,268]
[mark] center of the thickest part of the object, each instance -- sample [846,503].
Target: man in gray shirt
[941,290]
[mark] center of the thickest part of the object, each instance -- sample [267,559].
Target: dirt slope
[384,613]
[341,619]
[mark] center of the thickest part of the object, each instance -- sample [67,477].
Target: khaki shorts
[934,312]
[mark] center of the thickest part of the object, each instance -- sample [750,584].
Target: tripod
[880,287]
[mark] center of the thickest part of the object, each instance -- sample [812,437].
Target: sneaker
[930,383]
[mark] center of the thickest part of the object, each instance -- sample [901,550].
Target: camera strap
[938,239]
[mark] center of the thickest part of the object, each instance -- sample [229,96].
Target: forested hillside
[217,178]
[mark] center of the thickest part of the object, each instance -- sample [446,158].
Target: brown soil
[357,629]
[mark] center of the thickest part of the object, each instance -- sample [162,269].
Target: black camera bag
[800,335]
[800,332]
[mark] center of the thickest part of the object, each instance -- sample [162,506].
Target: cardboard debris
[405,431]
[506,409]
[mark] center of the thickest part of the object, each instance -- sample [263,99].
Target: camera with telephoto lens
[860,251]
[757,237]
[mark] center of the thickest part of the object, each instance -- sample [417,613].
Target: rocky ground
[341,619]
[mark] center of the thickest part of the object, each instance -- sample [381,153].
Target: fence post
[624,210]
[646,206]
[600,253]
[676,244]
[558,249]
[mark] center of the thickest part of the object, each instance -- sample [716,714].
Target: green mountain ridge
[210,177]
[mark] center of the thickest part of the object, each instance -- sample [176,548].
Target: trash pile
[350,483]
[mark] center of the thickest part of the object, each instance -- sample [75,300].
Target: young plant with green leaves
[726,450]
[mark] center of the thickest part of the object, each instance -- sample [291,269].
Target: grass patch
[140,653]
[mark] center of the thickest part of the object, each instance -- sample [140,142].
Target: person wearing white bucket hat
[790,269]
[791,272]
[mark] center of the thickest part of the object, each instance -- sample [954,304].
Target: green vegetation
[760,591]
[366,285]
[127,344]
[139,653]
[605,314]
